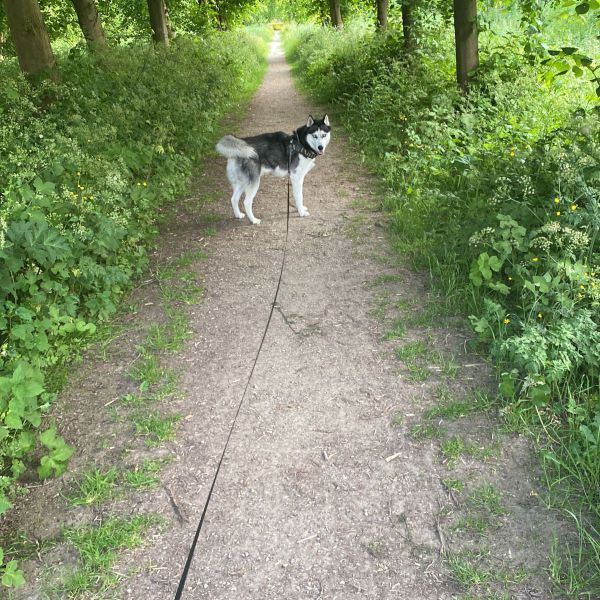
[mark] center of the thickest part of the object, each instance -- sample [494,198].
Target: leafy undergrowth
[87,164]
[497,194]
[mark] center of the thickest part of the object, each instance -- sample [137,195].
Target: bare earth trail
[305,492]
[306,505]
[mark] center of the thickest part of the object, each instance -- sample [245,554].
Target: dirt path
[333,486]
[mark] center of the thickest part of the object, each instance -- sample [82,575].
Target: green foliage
[86,164]
[497,194]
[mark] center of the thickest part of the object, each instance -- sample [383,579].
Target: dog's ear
[326,120]
[310,121]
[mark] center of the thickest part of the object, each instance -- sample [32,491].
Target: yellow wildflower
[506,321]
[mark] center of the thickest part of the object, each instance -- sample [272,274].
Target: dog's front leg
[297,183]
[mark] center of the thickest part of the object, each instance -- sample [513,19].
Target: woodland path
[306,505]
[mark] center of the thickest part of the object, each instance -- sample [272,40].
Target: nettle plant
[539,283]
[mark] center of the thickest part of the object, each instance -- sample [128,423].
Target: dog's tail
[233,147]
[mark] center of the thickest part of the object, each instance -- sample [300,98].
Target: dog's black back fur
[273,148]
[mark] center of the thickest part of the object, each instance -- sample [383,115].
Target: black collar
[298,146]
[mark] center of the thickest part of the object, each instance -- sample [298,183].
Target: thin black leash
[188,562]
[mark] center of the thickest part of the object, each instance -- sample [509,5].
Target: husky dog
[274,153]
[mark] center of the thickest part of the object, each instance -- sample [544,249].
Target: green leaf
[582,8]
[4,503]
[13,576]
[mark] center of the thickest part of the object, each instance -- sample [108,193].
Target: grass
[397,331]
[425,431]
[472,523]
[454,485]
[144,477]
[411,351]
[455,409]
[97,548]
[170,336]
[487,498]
[95,487]
[397,420]
[465,571]
[156,428]
[455,447]
[147,369]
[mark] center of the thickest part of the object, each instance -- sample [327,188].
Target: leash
[192,550]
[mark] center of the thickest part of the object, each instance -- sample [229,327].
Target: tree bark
[336,13]
[408,25]
[466,37]
[30,36]
[90,22]
[158,21]
[382,14]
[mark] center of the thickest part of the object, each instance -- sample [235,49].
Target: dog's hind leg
[238,180]
[248,199]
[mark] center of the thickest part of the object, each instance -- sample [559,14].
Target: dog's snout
[320,147]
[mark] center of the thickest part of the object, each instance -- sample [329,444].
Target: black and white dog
[274,153]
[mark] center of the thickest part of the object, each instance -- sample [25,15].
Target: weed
[472,523]
[97,548]
[397,420]
[453,449]
[411,351]
[425,431]
[170,336]
[397,331]
[144,477]
[376,549]
[417,372]
[156,428]
[454,485]
[468,572]
[95,487]
[189,258]
[488,498]
[454,409]
[147,370]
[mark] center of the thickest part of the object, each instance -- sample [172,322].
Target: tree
[29,35]
[408,25]
[466,37]
[382,14]
[89,21]
[158,21]
[336,13]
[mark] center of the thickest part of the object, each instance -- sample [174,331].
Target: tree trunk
[90,22]
[158,21]
[408,25]
[382,14]
[466,36]
[30,36]
[336,13]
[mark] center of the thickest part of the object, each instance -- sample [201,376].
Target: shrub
[86,163]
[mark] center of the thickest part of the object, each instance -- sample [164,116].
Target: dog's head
[318,133]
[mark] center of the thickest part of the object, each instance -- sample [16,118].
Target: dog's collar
[296,144]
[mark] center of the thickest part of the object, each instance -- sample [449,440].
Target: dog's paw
[256,222]
[303,212]
[240,216]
